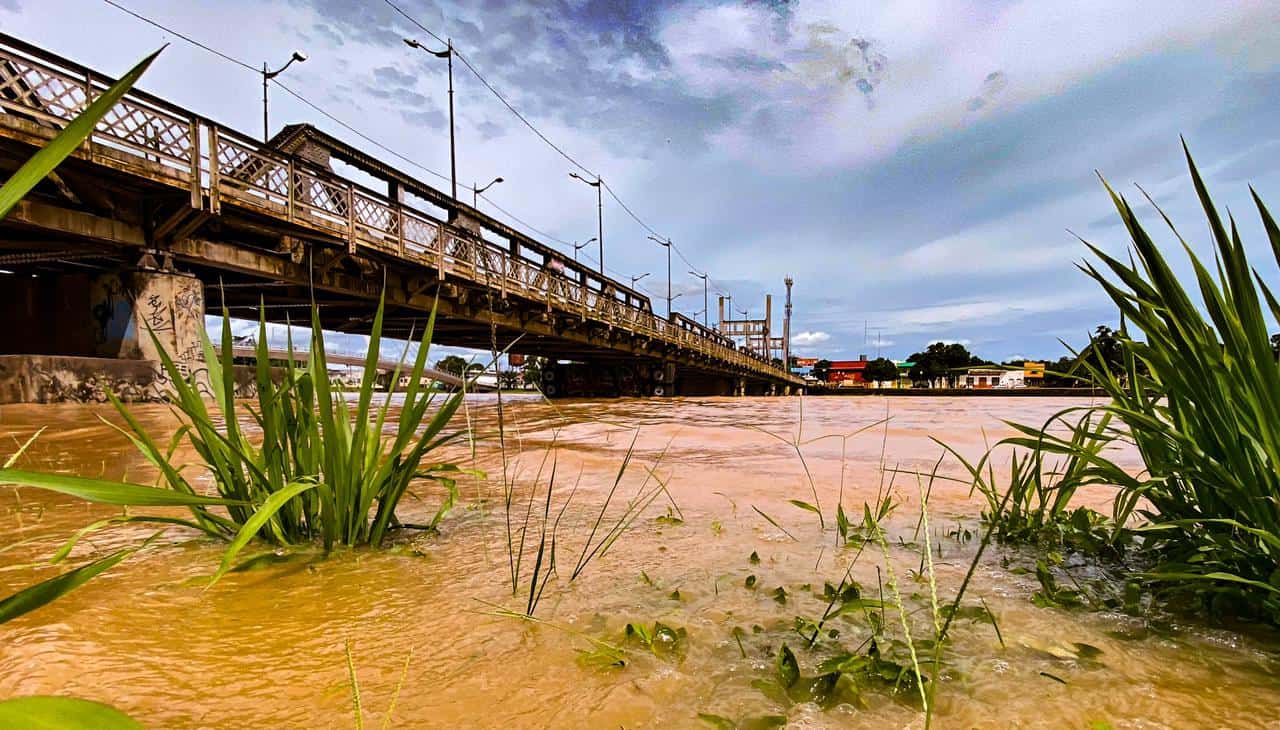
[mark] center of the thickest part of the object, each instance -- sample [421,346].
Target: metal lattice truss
[744,327]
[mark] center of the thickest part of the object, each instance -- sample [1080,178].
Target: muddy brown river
[265,647]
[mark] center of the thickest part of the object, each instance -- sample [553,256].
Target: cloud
[912,165]
[809,339]
[903,72]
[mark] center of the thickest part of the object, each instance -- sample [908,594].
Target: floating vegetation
[662,640]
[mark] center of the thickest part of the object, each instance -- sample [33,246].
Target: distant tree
[1061,373]
[1105,345]
[941,361]
[880,370]
[509,379]
[822,370]
[794,362]
[453,365]
[532,371]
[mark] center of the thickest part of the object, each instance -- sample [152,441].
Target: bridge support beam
[75,337]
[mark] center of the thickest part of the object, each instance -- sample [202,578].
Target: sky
[920,168]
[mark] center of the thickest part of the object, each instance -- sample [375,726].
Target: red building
[848,371]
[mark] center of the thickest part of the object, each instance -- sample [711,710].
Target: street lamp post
[667,244]
[298,56]
[705,303]
[579,246]
[599,186]
[447,53]
[634,279]
[475,192]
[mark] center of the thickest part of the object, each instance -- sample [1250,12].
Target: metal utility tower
[786,327]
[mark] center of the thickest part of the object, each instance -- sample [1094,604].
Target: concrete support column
[76,337]
[128,307]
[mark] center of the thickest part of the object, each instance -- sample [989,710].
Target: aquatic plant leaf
[72,136]
[66,548]
[787,668]
[601,657]
[1087,651]
[62,713]
[804,505]
[762,722]
[105,491]
[771,689]
[260,517]
[717,721]
[750,582]
[670,518]
[357,709]
[40,594]
[780,594]
[737,633]
[774,523]
[754,558]
[639,633]
[822,689]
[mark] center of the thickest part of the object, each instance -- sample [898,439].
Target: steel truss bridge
[271,227]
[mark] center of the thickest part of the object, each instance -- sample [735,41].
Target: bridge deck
[274,225]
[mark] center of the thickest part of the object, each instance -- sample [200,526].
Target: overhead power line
[184,37]
[490,87]
[286,89]
[613,194]
[370,140]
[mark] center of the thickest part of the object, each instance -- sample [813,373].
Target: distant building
[994,377]
[985,377]
[1033,374]
[848,373]
[904,379]
[803,366]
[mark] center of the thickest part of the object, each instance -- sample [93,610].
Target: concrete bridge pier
[75,337]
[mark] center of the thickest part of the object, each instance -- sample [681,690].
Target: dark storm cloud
[567,61]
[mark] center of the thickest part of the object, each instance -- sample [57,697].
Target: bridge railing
[146,135]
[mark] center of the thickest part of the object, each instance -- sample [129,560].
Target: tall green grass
[1199,399]
[327,468]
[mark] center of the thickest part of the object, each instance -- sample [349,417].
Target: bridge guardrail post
[400,227]
[88,99]
[351,219]
[291,190]
[193,139]
[440,243]
[215,203]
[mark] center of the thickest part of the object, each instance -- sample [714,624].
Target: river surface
[265,647]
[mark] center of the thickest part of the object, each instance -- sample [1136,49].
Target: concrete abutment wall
[74,337]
